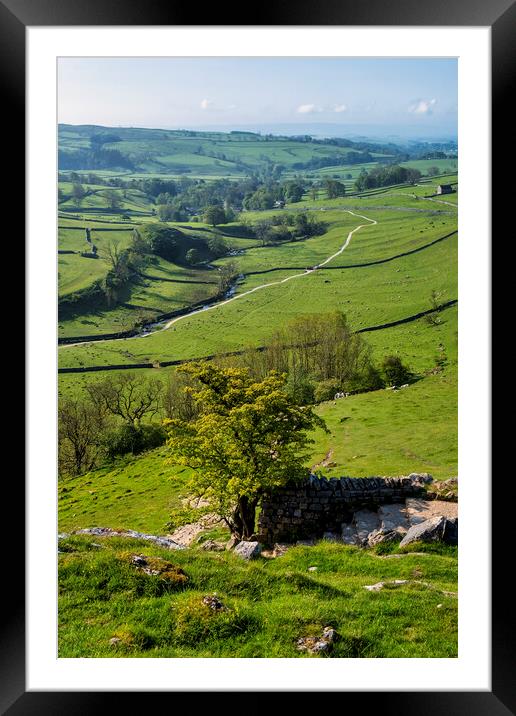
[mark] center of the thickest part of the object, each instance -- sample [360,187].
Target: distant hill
[235,153]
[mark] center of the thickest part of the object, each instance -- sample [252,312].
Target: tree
[226,275]
[263,230]
[166,212]
[79,428]
[192,256]
[117,258]
[248,439]
[217,246]
[334,188]
[78,194]
[215,215]
[112,198]
[127,396]
[294,191]
[396,373]
[435,303]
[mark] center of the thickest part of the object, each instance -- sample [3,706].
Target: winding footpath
[306,272]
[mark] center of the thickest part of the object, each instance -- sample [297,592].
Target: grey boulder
[248,550]
[435,529]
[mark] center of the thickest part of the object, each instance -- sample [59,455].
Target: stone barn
[444,189]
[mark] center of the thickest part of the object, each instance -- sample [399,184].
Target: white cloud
[206,104]
[422,106]
[340,108]
[308,109]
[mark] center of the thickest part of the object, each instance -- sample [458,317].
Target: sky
[391,95]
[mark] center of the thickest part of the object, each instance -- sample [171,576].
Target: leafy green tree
[334,188]
[248,439]
[294,191]
[215,215]
[217,246]
[395,372]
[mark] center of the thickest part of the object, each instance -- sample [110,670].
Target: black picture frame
[500,16]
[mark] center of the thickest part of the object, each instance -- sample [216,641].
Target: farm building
[279,204]
[444,189]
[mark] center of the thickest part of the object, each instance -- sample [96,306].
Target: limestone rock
[349,534]
[432,530]
[213,602]
[318,645]
[451,531]
[186,534]
[393,517]
[380,585]
[445,490]
[280,548]
[248,550]
[232,543]
[108,532]
[212,546]
[383,535]
[365,522]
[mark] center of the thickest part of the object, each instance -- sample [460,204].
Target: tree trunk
[244,518]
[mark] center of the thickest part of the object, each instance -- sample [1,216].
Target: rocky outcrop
[108,532]
[318,644]
[436,529]
[186,534]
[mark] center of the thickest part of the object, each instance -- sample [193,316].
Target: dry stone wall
[317,505]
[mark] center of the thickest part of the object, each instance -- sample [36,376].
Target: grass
[268,604]
[369,296]
[134,493]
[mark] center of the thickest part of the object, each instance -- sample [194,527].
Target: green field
[369,295]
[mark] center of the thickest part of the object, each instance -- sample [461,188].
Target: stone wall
[308,509]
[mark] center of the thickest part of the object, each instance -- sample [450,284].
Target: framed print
[255,222]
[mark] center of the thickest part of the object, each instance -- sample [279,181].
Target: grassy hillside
[420,245]
[108,608]
[198,154]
